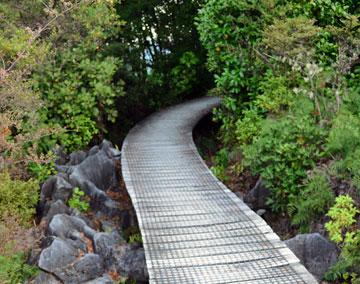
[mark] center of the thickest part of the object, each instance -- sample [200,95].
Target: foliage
[41,171]
[248,127]
[13,269]
[79,94]
[221,164]
[283,152]
[314,201]
[343,232]
[135,238]
[78,201]
[78,86]
[18,197]
[163,57]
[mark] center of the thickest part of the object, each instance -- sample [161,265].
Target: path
[194,229]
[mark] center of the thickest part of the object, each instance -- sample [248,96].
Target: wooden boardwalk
[194,229]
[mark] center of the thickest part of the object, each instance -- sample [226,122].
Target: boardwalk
[194,229]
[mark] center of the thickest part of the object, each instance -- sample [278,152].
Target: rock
[76,158]
[315,252]
[94,150]
[57,207]
[106,279]
[65,226]
[61,157]
[261,212]
[256,198]
[56,188]
[98,169]
[86,268]
[57,256]
[103,245]
[131,262]
[45,278]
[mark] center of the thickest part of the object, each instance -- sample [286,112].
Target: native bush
[13,269]
[314,200]
[282,153]
[343,232]
[18,197]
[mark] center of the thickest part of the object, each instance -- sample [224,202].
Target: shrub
[77,200]
[18,197]
[79,93]
[314,201]
[343,232]
[13,269]
[221,164]
[135,238]
[248,127]
[282,153]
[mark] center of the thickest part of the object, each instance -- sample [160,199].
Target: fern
[315,200]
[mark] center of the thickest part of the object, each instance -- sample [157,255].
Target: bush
[282,153]
[314,201]
[18,197]
[13,269]
[343,232]
[79,93]
[221,164]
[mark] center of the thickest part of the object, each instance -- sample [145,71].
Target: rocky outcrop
[88,248]
[257,196]
[315,252]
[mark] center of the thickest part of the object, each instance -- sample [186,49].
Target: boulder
[76,158]
[65,226]
[57,207]
[130,261]
[88,267]
[315,252]
[106,279]
[98,169]
[56,188]
[45,278]
[57,256]
[257,196]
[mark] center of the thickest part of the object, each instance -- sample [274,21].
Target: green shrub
[343,232]
[248,127]
[135,238]
[78,201]
[314,201]
[14,270]
[275,95]
[79,94]
[42,171]
[221,164]
[282,153]
[18,197]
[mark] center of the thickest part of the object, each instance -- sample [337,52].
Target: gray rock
[57,256]
[104,246]
[256,198]
[56,188]
[57,207]
[106,279]
[261,212]
[65,226]
[86,268]
[94,150]
[315,252]
[130,261]
[98,169]
[45,278]
[76,158]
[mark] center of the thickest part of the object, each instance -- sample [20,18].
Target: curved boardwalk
[194,229]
